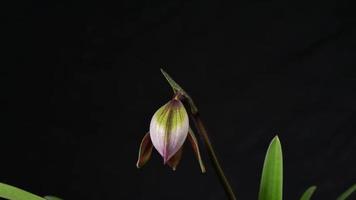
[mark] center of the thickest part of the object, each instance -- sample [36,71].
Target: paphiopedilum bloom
[169,129]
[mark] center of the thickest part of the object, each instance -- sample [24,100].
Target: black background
[84,81]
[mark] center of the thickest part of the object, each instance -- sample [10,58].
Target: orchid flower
[169,129]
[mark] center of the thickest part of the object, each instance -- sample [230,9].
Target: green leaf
[347,193]
[308,193]
[52,198]
[14,193]
[174,85]
[178,89]
[271,186]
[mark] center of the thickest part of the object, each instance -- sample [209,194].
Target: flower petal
[195,146]
[145,151]
[169,128]
[174,161]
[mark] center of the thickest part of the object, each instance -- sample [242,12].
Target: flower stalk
[204,135]
[212,155]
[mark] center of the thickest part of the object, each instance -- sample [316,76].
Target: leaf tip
[162,71]
[307,195]
[347,193]
[313,187]
[165,74]
[276,137]
[276,140]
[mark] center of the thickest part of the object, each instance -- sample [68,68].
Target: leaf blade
[271,186]
[347,193]
[308,193]
[14,193]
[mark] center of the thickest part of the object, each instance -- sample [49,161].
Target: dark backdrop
[84,81]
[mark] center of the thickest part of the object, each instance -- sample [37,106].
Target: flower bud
[169,128]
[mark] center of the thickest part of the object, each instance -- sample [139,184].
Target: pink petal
[169,128]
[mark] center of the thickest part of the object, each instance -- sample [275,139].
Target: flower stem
[180,93]
[219,171]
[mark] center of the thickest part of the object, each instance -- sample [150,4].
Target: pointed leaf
[271,186]
[174,161]
[308,193]
[194,142]
[14,193]
[145,151]
[347,193]
[178,89]
[174,85]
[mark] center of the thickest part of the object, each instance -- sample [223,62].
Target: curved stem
[220,172]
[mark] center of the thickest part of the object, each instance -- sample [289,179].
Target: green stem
[212,155]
